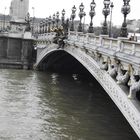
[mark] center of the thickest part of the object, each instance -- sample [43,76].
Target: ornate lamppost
[73,17]
[57,19]
[49,24]
[46,25]
[36,29]
[28,20]
[4,19]
[81,15]
[92,14]
[40,26]
[110,26]
[67,27]
[125,10]
[33,21]
[53,20]
[106,12]
[63,17]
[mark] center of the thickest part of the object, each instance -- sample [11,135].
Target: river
[50,106]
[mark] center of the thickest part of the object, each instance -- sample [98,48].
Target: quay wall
[16,52]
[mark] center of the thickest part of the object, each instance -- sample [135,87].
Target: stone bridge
[114,63]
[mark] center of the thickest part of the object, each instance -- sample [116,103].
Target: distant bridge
[114,63]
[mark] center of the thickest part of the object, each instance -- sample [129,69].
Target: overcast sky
[44,8]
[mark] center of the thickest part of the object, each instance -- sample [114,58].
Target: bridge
[114,63]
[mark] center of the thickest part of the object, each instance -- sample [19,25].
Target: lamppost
[92,14]
[110,26]
[53,20]
[28,20]
[63,17]
[125,10]
[57,19]
[49,24]
[43,25]
[46,25]
[106,12]
[73,17]
[36,29]
[67,27]
[39,28]
[4,19]
[81,15]
[33,19]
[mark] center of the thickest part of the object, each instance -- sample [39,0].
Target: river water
[51,106]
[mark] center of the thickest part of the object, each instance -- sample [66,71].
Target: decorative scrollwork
[134,86]
[112,69]
[103,64]
[122,77]
[134,83]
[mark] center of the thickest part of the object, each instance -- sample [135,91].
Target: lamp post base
[90,29]
[104,30]
[124,32]
[80,29]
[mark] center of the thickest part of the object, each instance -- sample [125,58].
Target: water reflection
[50,106]
[54,77]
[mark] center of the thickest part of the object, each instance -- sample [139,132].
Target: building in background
[4,21]
[134,25]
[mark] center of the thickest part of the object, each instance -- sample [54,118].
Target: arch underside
[117,95]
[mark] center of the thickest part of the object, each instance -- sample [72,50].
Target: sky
[45,8]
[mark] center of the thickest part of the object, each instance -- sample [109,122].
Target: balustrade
[130,48]
[116,45]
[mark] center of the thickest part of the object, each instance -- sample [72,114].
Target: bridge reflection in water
[39,105]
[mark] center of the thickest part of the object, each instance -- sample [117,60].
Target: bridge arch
[117,95]
[63,62]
